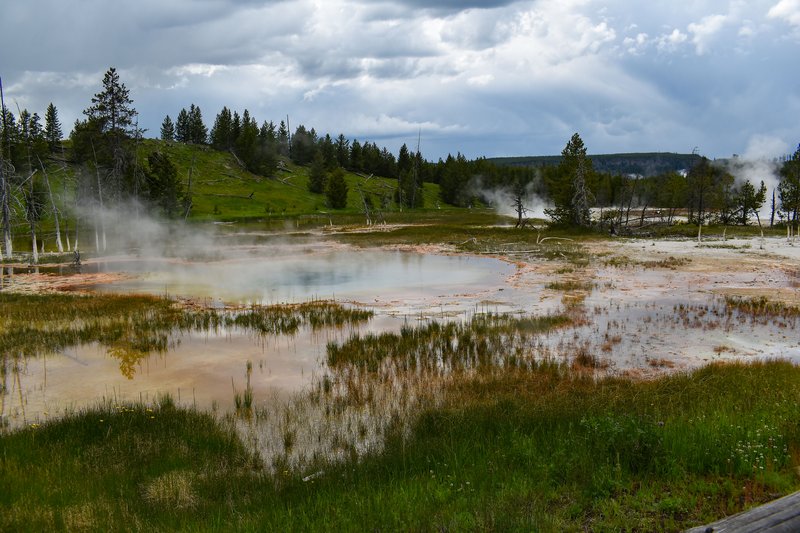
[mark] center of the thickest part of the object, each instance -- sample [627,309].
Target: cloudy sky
[483,77]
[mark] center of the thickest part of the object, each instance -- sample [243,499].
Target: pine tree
[236,127]
[182,133]
[303,145]
[167,129]
[749,200]
[52,128]
[283,139]
[789,188]
[221,137]
[164,187]
[317,177]
[198,133]
[568,185]
[30,142]
[356,156]
[112,106]
[404,162]
[267,133]
[336,190]
[342,151]
[328,150]
[247,142]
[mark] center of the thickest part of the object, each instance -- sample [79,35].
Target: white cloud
[703,32]
[636,45]
[786,10]
[481,80]
[670,42]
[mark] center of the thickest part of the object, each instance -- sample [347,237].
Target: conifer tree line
[707,192]
[260,147]
[108,173]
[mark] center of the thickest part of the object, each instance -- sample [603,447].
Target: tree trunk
[5,186]
[761,228]
[66,234]
[6,192]
[188,199]
[630,202]
[102,210]
[59,246]
[34,248]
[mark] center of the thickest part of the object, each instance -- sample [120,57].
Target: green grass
[717,231]
[132,326]
[222,190]
[538,449]
[569,286]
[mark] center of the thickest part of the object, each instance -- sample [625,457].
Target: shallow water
[297,274]
[206,369]
[200,369]
[631,320]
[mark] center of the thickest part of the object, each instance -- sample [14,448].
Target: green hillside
[222,189]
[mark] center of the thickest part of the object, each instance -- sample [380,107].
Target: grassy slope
[221,187]
[540,450]
[221,191]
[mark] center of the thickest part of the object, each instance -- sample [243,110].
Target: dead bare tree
[365,205]
[5,185]
[102,213]
[187,200]
[59,246]
[32,215]
[519,208]
[5,191]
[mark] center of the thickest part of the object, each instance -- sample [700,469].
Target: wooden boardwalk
[781,515]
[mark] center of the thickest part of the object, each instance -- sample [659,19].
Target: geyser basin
[296,274]
[207,368]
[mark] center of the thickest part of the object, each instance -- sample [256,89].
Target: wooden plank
[781,515]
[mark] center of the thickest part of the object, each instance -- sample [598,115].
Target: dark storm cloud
[493,77]
[450,6]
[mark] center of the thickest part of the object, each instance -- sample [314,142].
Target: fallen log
[249,197]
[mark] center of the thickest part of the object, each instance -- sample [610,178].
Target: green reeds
[128,324]
[762,308]
[485,341]
[243,402]
[570,286]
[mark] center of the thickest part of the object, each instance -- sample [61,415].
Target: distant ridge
[645,164]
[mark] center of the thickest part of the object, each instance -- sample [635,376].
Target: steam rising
[502,199]
[189,260]
[129,228]
[760,162]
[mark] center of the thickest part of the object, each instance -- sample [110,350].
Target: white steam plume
[760,162]
[502,199]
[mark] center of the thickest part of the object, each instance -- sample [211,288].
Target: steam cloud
[502,199]
[760,162]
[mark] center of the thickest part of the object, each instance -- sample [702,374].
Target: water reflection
[206,367]
[199,368]
[303,274]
